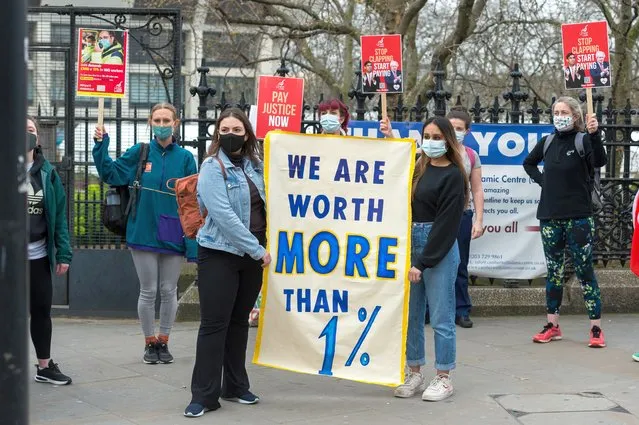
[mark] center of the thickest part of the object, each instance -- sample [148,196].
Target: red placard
[279,104]
[586,55]
[102,61]
[382,63]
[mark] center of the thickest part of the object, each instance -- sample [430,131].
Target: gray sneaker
[164,355]
[413,384]
[151,354]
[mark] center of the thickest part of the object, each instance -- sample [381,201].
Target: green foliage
[88,215]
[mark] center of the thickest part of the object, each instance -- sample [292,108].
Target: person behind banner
[108,49]
[565,212]
[154,234]
[370,80]
[468,229]
[231,255]
[440,192]
[334,117]
[48,251]
[573,74]
[394,78]
[600,70]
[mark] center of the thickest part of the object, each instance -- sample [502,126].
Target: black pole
[14,396]
[203,91]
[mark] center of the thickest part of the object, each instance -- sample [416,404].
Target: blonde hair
[576,110]
[164,105]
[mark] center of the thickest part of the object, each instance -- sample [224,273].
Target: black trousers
[40,300]
[228,286]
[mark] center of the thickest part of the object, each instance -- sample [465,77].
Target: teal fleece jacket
[156,226]
[55,209]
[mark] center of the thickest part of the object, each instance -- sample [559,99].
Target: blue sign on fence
[497,144]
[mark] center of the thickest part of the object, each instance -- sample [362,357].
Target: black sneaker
[248,398]
[151,354]
[464,321]
[51,375]
[163,353]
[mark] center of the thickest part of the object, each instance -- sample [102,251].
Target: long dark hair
[250,148]
[452,154]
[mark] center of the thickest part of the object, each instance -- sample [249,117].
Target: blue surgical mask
[330,123]
[460,136]
[434,148]
[104,43]
[162,133]
[563,123]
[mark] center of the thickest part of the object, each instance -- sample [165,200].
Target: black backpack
[119,201]
[593,173]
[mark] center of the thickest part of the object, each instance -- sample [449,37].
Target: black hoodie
[565,183]
[35,201]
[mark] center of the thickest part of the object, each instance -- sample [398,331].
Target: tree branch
[410,14]
[317,27]
[290,5]
[604,6]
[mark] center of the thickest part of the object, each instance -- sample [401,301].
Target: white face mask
[563,123]
[460,136]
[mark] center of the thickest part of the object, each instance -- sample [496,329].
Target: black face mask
[32,141]
[231,142]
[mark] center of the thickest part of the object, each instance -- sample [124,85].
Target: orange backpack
[185,190]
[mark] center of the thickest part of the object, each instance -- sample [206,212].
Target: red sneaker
[596,338]
[549,333]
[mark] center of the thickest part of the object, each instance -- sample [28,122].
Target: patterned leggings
[578,235]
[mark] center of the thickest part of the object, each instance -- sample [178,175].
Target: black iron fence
[514,106]
[67,122]
[159,58]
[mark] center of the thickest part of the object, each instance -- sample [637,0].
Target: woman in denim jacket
[231,256]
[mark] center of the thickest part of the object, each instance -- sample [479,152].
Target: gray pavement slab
[502,378]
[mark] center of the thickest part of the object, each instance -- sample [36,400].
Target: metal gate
[67,121]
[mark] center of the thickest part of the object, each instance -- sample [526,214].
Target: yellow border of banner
[99,94]
[258,340]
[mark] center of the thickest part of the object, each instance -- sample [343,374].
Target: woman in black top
[440,188]
[565,211]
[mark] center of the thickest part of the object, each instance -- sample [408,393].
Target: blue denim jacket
[228,203]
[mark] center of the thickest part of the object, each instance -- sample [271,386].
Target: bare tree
[622,17]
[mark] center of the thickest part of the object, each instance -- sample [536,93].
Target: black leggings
[228,286]
[40,306]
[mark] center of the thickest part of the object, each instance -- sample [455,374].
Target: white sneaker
[440,388]
[413,384]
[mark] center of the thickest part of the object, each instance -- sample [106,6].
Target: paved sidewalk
[502,378]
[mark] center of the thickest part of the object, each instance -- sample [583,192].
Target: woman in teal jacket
[154,233]
[48,251]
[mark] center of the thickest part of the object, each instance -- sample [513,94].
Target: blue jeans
[461,283]
[437,290]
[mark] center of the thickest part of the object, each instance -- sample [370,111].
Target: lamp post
[14,390]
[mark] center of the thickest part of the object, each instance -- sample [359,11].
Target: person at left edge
[231,257]
[48,251]
[154,234]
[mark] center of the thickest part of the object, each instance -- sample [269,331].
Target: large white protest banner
[335,297]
